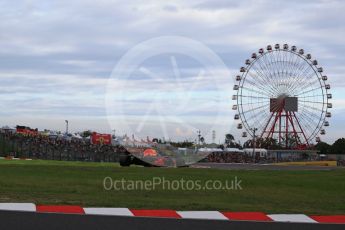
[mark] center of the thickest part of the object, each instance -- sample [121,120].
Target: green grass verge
[80,183]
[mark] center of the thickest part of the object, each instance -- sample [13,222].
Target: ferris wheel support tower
[284,93]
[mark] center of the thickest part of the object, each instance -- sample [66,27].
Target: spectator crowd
[45,147]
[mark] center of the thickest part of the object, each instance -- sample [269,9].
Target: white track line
[296,218]
[108,211]
[211,215]
[27,207]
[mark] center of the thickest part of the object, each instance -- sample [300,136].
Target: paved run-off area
[310,192]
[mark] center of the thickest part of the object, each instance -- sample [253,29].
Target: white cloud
[56,56]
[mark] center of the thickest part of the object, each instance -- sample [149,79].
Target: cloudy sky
[56,59]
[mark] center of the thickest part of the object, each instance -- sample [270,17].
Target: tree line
[338,147]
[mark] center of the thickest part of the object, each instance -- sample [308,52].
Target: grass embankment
[79,183]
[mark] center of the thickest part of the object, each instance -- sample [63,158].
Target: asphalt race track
[239,166]
[30,220]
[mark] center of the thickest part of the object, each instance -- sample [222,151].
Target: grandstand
[24,142]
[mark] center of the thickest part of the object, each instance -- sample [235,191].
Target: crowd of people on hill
[45,147]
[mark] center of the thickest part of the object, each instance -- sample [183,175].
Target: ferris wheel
[282,93]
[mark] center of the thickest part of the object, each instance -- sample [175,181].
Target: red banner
[100,139]
[26,131]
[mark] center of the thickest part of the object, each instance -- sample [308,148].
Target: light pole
[66,126]
[254,143]
[213,136]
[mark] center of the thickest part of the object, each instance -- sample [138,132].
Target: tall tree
[230,141]
[86,133]
[338,146]
[229,138]
[323,147]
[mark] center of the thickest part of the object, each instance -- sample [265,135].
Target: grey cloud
[50,50]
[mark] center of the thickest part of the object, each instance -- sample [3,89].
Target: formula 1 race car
[160,157]
[150,158]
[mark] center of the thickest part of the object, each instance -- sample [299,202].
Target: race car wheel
[125,160]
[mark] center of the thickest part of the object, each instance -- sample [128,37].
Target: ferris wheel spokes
[283,93]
